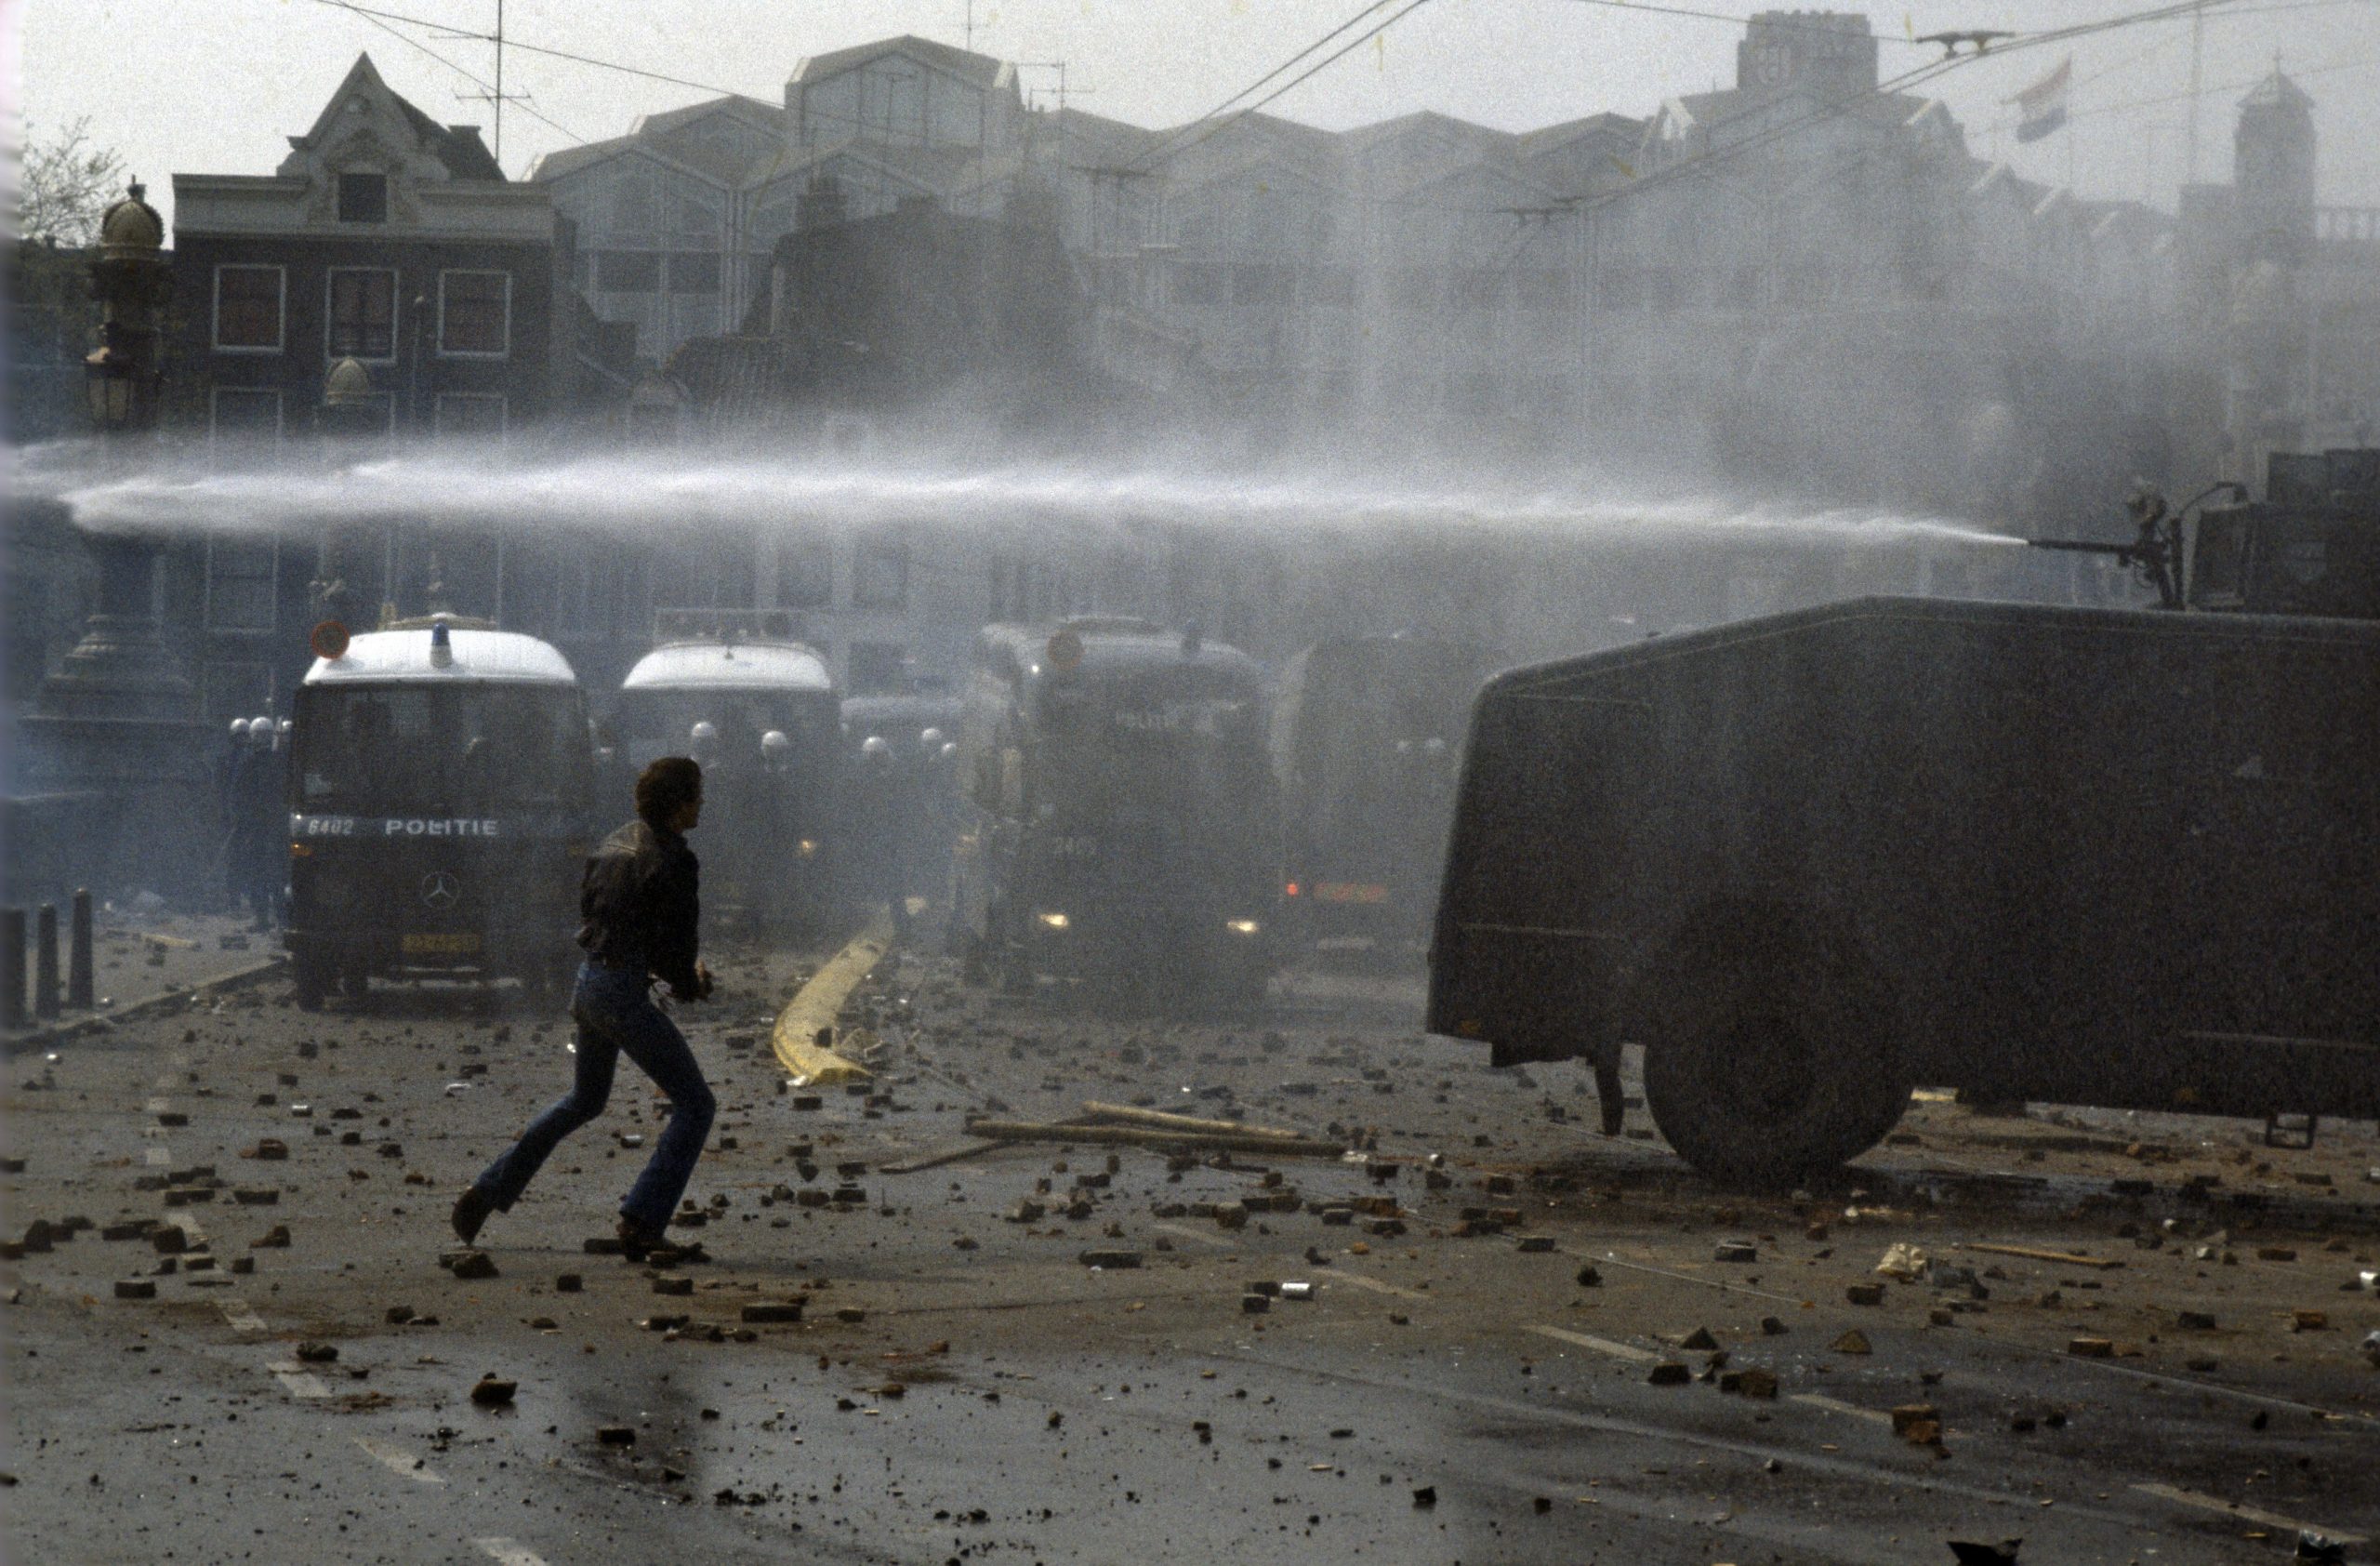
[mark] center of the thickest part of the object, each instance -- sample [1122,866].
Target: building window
[237,413]
[627,271]
[239,584]
[475,313]
[471,413]
[805,574]
[634,208]
[363,198]
[693,272]
[362,313]
[248,309]
[880,573]
[877,669]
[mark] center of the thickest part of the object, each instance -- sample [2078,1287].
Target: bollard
[12,967]
[45,962]
[78,952]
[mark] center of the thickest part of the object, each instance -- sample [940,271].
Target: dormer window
[363,198]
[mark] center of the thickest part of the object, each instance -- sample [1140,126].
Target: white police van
[439,785]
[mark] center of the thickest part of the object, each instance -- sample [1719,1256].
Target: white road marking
[1600,1345]
[243,1319]
[188,1226]
[1836,1405]
[509,1552]
[2246,1514]
[1202,1236]
[159,1105]
[399,1460]
[1376,1286]
[297,1381]
[160,1156]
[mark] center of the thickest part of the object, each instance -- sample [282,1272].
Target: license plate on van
[442,945]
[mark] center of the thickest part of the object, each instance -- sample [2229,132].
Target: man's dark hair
[665,786]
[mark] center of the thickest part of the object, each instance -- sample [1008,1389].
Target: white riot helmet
[703,739]
[260,732]
[280,732]
[775,748]
[931,742]
[239,731]
[874,749]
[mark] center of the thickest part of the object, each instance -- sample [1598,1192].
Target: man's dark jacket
[641,904]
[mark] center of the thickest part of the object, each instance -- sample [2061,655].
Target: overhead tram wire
[1208,130]
[377,20]
[1914,77]
[1160,150]
[383,17]
[1917,76]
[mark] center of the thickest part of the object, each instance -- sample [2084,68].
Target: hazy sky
[216,86]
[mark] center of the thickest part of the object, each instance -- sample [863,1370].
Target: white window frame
[396,315]
[503,411]
[213,404]
[215,314]
[446,352]
[271,597]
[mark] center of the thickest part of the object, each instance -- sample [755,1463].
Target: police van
[1121,818]
[763,718]
[439,786]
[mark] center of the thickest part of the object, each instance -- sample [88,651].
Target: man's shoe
[637,1241]
[471,1209]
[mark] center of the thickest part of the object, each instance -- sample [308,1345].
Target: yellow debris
[812,1009]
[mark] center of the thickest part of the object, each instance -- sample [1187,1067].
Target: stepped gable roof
[457,148]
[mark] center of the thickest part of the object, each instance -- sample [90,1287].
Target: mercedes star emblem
[441,890]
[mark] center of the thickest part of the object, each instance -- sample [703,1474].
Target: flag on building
[2042,107]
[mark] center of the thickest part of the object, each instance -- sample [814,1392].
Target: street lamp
[131,281]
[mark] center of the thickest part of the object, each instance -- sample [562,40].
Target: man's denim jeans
[616,1016]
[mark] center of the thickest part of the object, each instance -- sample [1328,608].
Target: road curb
[813,1008]
[101,1022]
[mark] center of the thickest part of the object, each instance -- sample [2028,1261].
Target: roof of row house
[986,71]
[457,148]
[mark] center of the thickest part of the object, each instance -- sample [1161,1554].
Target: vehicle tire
[309,975]
[355,979]
[1776,1068]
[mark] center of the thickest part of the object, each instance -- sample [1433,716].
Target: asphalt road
[962,1385]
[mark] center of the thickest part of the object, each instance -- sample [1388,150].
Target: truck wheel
[1778,1076]
[310,974]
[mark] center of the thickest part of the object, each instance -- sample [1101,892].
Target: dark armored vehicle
[439,791]
[1367,744]
[1120,819]
[2112,856]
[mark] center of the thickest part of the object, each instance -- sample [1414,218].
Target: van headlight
[1242,926]
[1052,920]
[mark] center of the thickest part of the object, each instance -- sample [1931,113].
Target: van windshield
[1147,735]
[442,749]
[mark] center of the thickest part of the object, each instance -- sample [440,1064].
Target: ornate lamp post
[116,724]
